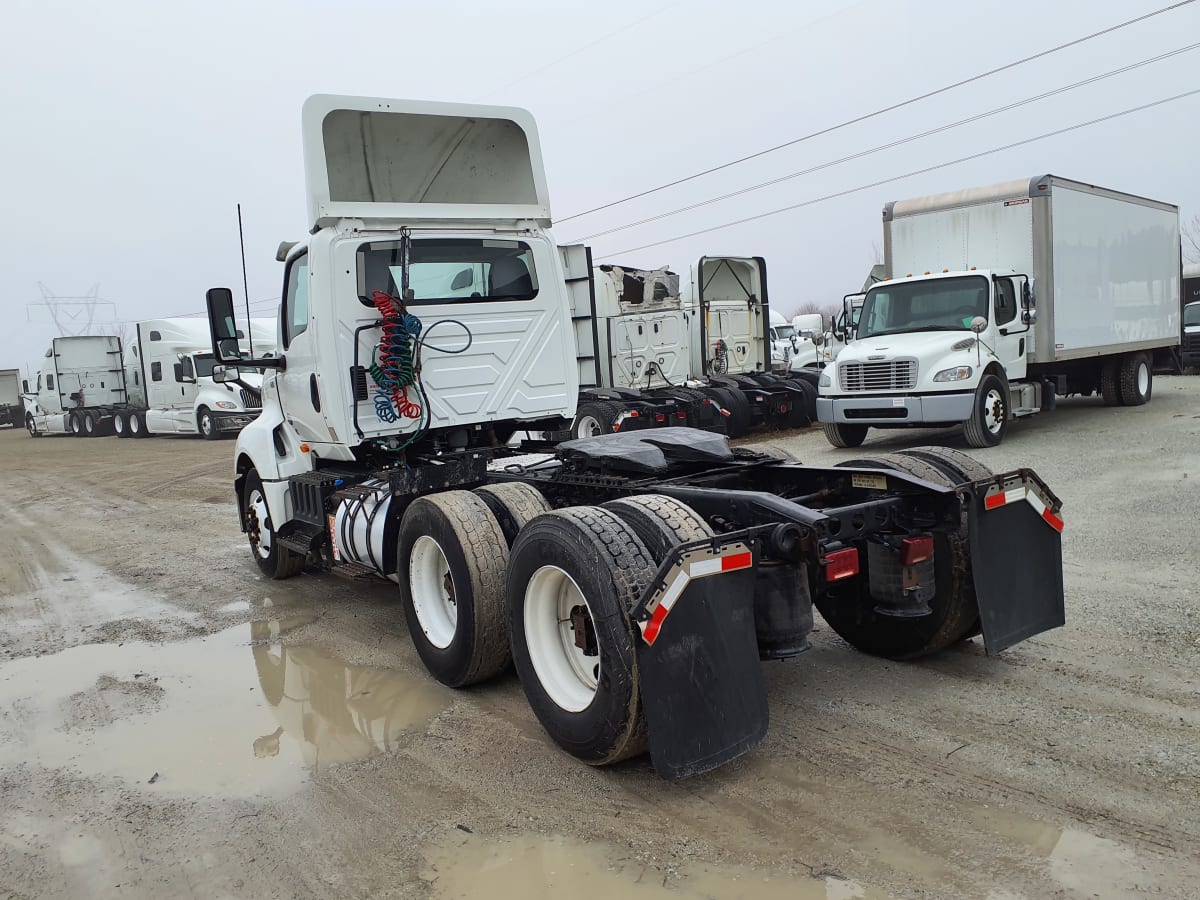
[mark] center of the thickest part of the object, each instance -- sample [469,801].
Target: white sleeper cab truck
[635,338]
[79,388]
[1001,298]
[168,371]
[635,580]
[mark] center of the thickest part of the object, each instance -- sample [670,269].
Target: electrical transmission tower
[72,316]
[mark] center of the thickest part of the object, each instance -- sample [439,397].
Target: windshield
[449,269]
[785,332]
[943,304]
[204,364]
[1191,314]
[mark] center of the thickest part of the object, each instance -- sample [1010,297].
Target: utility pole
[72,315]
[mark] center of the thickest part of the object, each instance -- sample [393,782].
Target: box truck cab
[1001,298]
[168,370]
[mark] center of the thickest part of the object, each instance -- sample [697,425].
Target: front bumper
[929,409]
[233,421]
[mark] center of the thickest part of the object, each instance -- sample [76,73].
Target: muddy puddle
[235,713]
[540,867]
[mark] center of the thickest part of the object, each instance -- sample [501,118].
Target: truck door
[183,413]
[297,384]
[733,315]
[1012,334]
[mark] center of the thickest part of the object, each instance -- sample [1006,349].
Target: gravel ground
[172,724]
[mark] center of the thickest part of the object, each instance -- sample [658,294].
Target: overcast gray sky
[131,129]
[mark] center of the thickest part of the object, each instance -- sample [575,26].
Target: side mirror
[1029,316]
[817,339]
[222,324]
[463,279]
[182,376]
[25,386]
[1026,295]
[979,324]
[223,374]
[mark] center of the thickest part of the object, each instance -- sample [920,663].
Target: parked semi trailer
[650,357]
[1001,299]
[636,579]
[12,409]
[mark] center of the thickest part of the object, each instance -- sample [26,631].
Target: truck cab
[922,348]
[427,311]
[1191,336]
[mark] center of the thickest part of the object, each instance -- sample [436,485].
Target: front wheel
[31,426]
[207,424]
[573,576]
[842,435]
[989,420]
[273,560]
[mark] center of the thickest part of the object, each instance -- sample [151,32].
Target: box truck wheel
[452,557]
[989,421]
[207,424]
[841,434]
[1136,379]
[514,505]
[573,576]
[594,418]
[273,560]
[1110,383]
[852,612]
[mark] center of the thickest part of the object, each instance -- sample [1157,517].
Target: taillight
[660,417]
[840,564]
[916,549]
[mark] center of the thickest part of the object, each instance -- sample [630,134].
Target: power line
[886,109]
[953,162]
[892,144]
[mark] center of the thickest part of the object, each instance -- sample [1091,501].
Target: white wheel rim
[262,524]
[589,426]
[432,591]
[29,424]
[993,410]
[135,424]
[206,424]
[1143,379]
[119,425]
[566,673]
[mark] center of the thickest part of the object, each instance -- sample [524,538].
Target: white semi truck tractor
[1000,299]
[635,579]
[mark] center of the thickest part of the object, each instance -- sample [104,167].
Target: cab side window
[156,371]
[49,382]
[1006,301]
[295,302]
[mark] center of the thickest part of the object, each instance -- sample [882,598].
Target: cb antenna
[245,281]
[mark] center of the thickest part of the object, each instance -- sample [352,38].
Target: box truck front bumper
[931,409]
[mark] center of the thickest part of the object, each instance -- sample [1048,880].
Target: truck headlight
[958,373]
[824,380]
[225,404]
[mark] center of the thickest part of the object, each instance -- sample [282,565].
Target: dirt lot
[171,724]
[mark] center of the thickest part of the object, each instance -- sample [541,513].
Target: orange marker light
[304,448]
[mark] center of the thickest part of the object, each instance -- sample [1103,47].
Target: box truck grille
[893,375]
[251,400]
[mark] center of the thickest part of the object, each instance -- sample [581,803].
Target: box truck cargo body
[1000,298]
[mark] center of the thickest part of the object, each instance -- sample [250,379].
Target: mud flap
[701,680]
[1016,557]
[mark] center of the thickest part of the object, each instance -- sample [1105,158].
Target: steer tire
[841,434]
[206,424]
[514,505]
[31,426]
[850,611]
[1136,377]
[274,561]
[582,565]
[661,522]
[1110,383]
[991,403]
[451,561]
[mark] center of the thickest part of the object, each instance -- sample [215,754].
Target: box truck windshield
[1191,314]
[943,304]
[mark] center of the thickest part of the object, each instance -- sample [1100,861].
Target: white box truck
[1001,298]
[160,383]
[11,408]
